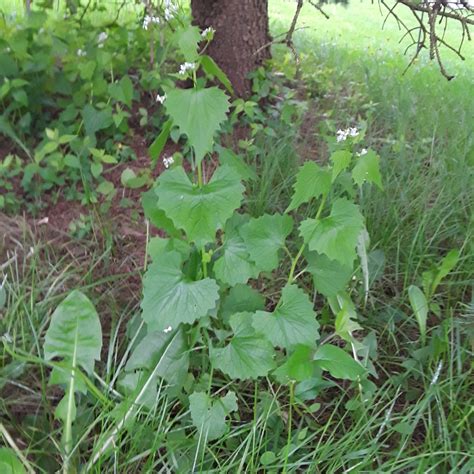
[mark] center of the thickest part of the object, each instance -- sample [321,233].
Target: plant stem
[199,168]
[204,264]
[300,251]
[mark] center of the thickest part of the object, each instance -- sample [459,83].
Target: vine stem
[300,251]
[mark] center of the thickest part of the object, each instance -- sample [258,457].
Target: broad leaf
[235,265]
[188,40]
[156,215]
[248,355]
[329,276]
[237,163]
[173,365]
[264,237]
[198,113]
[242,298]
[212,69]
[336,235]
[341,159]
[75,336]
[170,298]
[292,322]
[95,120]
[338,362]
[74,333]
[367,168]
[312,181]
[122,90]
[419,305]
[9,463]
[299,366]
[199,211]
[159,143]
[432,278]
[208,415]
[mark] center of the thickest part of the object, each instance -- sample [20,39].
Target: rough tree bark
[241,41]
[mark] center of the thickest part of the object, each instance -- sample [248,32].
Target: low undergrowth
[296,295]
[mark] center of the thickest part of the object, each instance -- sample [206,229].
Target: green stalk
[300,251]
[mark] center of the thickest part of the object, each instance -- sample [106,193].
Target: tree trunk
[241,42]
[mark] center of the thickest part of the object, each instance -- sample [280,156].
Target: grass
[420,417]
[420,122]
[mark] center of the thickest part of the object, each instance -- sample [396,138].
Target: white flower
[150,19]
[168,161]
[170,10]
[168,329]
[185,67]
[81,52]
[341,135]
[160,98]
[362,152]
[208,33]
[102,37]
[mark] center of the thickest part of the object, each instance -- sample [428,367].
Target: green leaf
[170,298]
[420,308]
[336,235]
[292,322]
[9,463]
[212,69]
[229,158]
[95,120]
[248,355]
[199,211]
[432,278]
[159,143]
[312,181]
[341,159]
[235,265]
[7,129]
[346,319]
[338,362]
[198,113]
[298,367]
[367,168]
[74,333]
[242,298]
[264,237]
[122,90]
[157,216]
[208,415]
[3,297]
[130,180]
[188,40]
[173,366]
[329,276]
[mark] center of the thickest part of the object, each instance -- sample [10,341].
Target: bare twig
[428,15]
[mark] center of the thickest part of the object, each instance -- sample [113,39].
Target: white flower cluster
[208,33]
[362,152]
[101,38]
[170,10]
[160,98]
[150,20]
[168,161]
[81,52]
[342,135]
[185,67]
